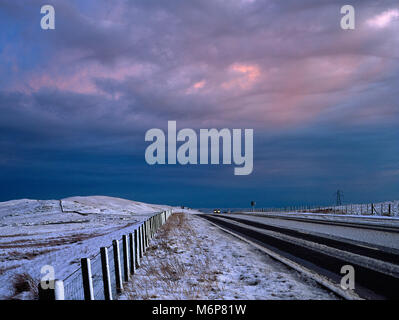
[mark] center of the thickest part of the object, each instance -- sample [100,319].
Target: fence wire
[388,209]
[111,262]
[73,284]
[97,276]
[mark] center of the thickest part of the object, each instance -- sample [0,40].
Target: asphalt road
[369,234]
[322,245]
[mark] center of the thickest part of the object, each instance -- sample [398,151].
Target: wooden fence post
[105,271]
[137,247]
[132,254]
[54,290]
[87,279]
[142,239]
[147,236]
[149,230]
[117,263]
[126,272]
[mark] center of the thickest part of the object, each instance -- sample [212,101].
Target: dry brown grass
[49,242]
[22,283]
[16,255]
[5,269]
[164,273]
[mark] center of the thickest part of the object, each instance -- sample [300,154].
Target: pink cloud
[196,87]
[78,80]
[243,76]
[384,19]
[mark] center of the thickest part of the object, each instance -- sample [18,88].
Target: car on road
[216,210]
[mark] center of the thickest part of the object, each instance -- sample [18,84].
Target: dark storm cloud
[323,101]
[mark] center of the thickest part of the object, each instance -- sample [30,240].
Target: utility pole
[339,196]
[253,203]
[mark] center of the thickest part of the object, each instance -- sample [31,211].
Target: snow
[35,233]
[196,260]
[349,218]
[381,210]
[214,265]
[108,205]
[354,213]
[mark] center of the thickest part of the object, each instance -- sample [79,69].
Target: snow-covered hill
[34,233]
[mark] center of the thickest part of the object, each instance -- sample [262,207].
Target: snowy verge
[191,259]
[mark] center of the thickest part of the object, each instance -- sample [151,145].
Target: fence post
[151,230]
[87,279]
[55,293]
[126,272]
[132,255]
[105,271]
[389,210]
[137,247]
[139,231]
[372,209]
[141,241]
[146,235]
[117,263]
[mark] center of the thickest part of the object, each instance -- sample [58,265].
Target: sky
[76,102]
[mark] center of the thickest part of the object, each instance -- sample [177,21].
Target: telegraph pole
[339,196]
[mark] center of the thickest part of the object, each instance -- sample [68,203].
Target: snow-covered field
[192,259]
[387,209]
[380,209]
[35,233]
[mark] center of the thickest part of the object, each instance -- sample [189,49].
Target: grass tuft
[22,283]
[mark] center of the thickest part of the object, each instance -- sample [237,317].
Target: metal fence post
[87,279]
[132,255]
[105,271]
[126,272]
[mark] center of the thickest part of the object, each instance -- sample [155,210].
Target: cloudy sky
[75,102]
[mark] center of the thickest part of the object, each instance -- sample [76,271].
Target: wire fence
[103,271]
[97,278]
[387,209]
[73,286]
